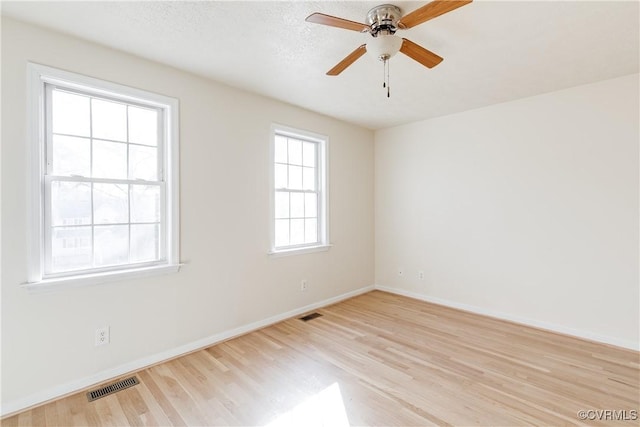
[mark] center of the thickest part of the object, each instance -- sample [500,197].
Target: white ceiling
[494,51]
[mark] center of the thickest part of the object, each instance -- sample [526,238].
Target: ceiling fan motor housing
[384,19]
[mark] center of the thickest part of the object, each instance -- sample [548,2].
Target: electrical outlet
[304,285]
[421,275]
[400,272]
[102,336]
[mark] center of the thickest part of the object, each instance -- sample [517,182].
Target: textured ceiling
[494,51]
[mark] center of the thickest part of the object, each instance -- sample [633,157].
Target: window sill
[48,285]
[299,251]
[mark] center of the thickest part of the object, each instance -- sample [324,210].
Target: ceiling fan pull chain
[388,83]
[385,72]
[384,68]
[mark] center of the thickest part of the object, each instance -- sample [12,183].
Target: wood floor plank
[376,359]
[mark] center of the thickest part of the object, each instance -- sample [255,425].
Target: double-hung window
[103,179]
[299,191]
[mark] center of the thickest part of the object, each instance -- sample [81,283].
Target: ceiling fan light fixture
[384,46]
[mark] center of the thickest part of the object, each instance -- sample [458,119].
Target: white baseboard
[516,319]
[12,407]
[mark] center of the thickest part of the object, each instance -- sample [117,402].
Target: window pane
[297,205]
[310,230]
[70,113]
[109,120]
[143,163]
[70,248]
[145,203]
[143,126]
[70,203]
[309,154]
[282,232]
[111,245]
[145,242]
[280,149]
[310,205]
[110,203]
[109,160]
[282,205]
[295,177]
[309,178]
[297,231]
[295,152]
[71,156]
[280,176]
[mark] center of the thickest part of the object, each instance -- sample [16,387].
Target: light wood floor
[377,359]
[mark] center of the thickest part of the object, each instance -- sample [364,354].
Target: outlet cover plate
[102,336]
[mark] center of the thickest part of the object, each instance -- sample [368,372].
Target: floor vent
[310,317]
[112,388]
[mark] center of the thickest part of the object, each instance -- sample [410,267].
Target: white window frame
[322,165]
[40,78]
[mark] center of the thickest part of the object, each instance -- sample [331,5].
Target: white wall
[527,210]
[229,280]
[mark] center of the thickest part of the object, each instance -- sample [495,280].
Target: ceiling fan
[382,23]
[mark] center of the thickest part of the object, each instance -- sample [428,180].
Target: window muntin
[104,181]
[298,191]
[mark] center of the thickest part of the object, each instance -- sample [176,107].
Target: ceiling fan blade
[430,11]
[350,59]
[420,54]
[332,21]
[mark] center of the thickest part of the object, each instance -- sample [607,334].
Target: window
[299,199]
[103,179]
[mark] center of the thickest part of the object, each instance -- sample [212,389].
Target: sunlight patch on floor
[325,408]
